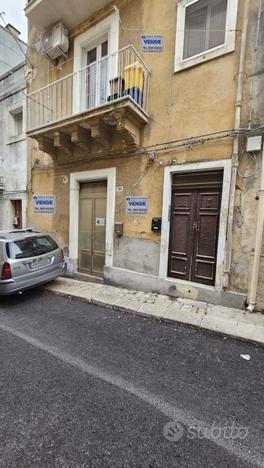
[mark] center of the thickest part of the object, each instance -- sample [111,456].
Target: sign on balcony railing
[116,76]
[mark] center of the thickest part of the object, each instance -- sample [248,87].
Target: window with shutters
[205,30]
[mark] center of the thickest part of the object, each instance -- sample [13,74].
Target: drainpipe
[235,155]
[252,294]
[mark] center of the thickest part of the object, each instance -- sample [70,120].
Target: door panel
[206,239]
[99,236]
[180,240]
[99,228]
[92,228]
[104,73]
[86,213]
[91,77]
[195,212]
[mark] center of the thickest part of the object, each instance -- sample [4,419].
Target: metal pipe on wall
[252,294]
[235,155]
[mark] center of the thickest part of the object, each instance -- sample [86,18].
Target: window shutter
[205,24]
[217,24]
[195,31]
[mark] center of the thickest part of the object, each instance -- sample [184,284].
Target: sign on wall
[100,222]
[44,204]
[136,206]
[152,43]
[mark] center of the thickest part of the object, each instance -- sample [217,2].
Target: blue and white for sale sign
[152,43]
[136,206]
[44,204]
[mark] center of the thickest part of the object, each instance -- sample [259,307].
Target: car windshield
[30,247]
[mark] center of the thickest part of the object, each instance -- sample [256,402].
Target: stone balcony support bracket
[109,129]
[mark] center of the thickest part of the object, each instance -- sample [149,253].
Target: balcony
[101,107]
[44,13]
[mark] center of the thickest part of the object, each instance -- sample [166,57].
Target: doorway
[194,226]
[92,227]
[17,213]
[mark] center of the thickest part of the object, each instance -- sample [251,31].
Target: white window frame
[18,132]
[227,47]
[11,112]
[108,27]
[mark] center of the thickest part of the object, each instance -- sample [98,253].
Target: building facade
[139,123]
[13,145]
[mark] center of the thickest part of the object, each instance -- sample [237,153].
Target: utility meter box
[156,224]
[119,228]
[254,143]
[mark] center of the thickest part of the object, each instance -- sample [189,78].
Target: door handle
[196,226]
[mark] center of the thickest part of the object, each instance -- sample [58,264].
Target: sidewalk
[230,322]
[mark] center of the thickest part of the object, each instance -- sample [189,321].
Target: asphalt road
[84,386]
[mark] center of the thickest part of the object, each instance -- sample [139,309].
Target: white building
[13,144]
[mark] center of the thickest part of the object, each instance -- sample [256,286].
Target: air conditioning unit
[55,42]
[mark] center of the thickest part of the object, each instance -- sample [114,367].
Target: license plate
[39,263]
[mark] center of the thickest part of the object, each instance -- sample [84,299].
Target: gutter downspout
[252,295]
[235,155]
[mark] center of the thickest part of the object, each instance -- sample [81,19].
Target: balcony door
[97,74]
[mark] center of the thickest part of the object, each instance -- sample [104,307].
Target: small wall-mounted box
[119,228]
[254,144]
[156,224]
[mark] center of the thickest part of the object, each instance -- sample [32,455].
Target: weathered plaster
[135,254]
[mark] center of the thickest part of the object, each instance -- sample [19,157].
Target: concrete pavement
[228,321]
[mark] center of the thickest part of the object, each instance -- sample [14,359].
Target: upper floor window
[16,124]
[205,29]
[205,23]
[18,121]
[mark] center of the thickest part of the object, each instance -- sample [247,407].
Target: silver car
[28,258]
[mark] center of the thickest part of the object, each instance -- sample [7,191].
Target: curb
[126,310]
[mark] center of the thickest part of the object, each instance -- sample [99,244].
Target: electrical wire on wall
[15,38]
[160,148]
[142,151]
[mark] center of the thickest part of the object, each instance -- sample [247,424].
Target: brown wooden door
[195,212]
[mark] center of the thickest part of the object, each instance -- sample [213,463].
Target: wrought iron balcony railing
[122,75]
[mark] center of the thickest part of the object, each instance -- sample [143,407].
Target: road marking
[156,402]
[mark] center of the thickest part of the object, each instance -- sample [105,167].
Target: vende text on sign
[152,43]
[136,206]
[44,204]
